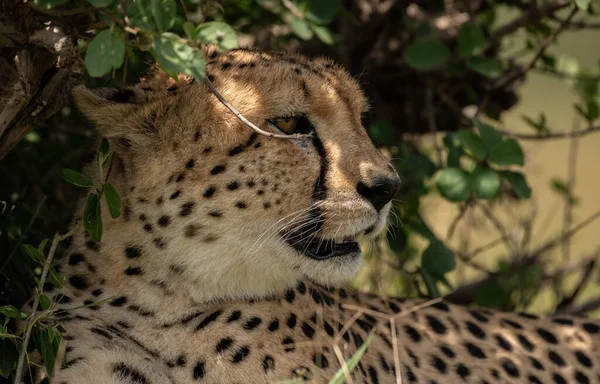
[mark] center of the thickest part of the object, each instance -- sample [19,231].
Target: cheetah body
[199,283]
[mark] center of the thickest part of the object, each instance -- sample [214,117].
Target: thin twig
[582,309]
[29,326]
[496,222]
[248,122]
[185,12]
[552,136]
[571,179]
[462,209]
[519,74]
[432,123]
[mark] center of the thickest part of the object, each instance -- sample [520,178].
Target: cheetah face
[223,200]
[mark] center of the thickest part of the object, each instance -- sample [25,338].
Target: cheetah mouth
[318,248]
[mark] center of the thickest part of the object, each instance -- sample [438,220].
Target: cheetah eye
[287,125]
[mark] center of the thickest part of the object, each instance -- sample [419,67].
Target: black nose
[380,191]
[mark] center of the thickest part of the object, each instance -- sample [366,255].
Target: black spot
[101,332]
[475,351]
[413,333]
[191,230]
[209,319]
[133,252]
[241,205]
[273,325]
[475,330]
[224,344]
[190,164]
[438,363]
[148,227]
[479,316]
[163,221]
[558,379]
[122,96]
[233,186]
[509,367]
[92,245]
[525,343]
[536,363]
[199,370]
[591,328]
[546,335]
[581,378]
[225,65]
[583,359]
[132,376]
[78,282]
[268,363]
[562,321]
[175,195]
[210,192]
[235,315]
[266,205]
[290,295]
[447,351]
[301,288]
[76,258]
[291,321]
[462,371]
[134,271]
[534,380]
[217,169]
[556,359]
[236,150]
[97,292]
[441,306]
[252,323]
[512,324]
[215,213]
[187,208]
[436,325]
[308,330]
[289,344]
[503,343]
[119,301]
[197,136]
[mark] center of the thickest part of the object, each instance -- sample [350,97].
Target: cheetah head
[240,211]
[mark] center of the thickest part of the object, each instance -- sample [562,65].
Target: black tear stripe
[320,187]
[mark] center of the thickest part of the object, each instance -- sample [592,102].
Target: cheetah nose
[380,190]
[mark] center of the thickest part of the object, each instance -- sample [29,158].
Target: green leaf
[507,152]
[219,33]
[470,39]
[583,4]
[485,182]
[140,14]
[323,33]
[100,3]
[92,217]
[175,57]
[300,27]
[76,178]
[472,143]
[190,30]
[11,311]
[322,11]
[103,151]
[163,13]
[485,66]
[42,245]
[488,134]
[351,363]
[47,341]
[590,112]
[8,357]
[519,183]
[105,52]
[491,295]
[426,54]
[430,283]
[113,200]
[49,3]
[34,253]
[453,184]
[57,280]
[538,125]
[45,302]
[437,259]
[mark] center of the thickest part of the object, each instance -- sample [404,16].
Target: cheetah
[229,261]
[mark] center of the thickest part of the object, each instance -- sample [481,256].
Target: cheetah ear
[123,116]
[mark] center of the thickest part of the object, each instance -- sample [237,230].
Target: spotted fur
[202,287]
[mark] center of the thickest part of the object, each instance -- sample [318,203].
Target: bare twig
[462,209]
[248,122]
[512,76]
[582,309]
[552,136]
[571,179]
[432,123]
[29,324]
[588,268]
[499,226]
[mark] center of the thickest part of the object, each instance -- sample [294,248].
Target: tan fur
[206,289]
